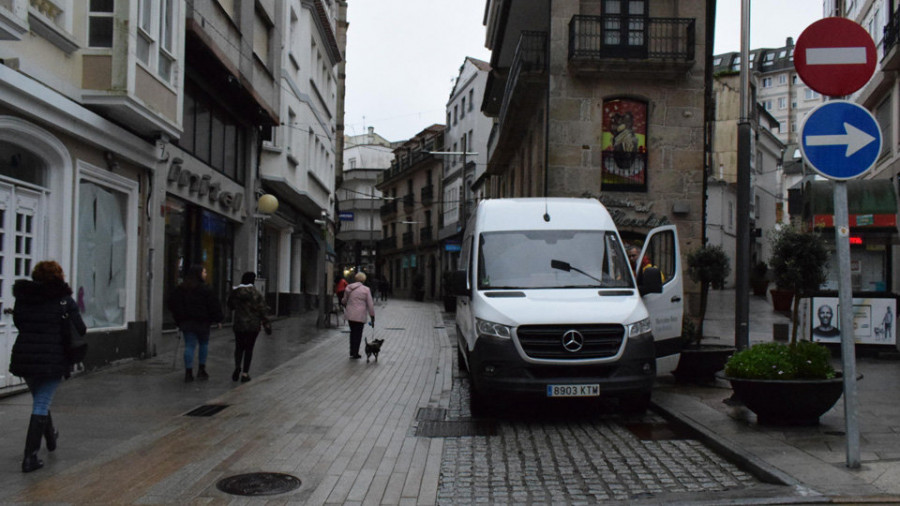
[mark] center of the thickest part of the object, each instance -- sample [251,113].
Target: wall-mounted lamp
[267,204]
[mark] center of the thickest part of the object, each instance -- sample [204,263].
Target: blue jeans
[42,390]
[191,339]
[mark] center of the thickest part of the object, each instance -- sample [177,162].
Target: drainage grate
[206,410]
[658,431]
[431,414]
[254,484]
[456,428]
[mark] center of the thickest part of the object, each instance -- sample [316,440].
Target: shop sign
[858,220]
[203,186]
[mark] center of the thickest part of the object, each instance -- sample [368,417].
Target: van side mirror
[458,283]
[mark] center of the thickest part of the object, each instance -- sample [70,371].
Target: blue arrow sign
[840,139]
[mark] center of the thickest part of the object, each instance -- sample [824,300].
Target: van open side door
[666,308]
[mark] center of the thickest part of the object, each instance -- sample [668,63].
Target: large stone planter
[700,363]
[788,402]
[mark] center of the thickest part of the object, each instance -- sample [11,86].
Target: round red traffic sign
[835,56]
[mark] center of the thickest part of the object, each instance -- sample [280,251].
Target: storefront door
[21,218]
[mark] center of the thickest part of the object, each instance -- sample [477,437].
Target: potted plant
[798,266]
[789,384]
[785,384]
[758,281]
[708,266]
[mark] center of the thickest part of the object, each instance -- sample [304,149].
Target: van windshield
[522,260]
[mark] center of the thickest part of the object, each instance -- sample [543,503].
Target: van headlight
[639,328]
[486,328]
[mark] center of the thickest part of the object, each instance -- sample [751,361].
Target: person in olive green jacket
[250,314]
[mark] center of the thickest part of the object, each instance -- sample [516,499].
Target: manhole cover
[253,484]
[658,431]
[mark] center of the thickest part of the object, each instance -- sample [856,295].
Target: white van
[548,305]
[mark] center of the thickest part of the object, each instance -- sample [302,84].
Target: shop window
[104,278]
[212,134]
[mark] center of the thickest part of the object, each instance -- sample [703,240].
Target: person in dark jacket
[250,313]
[195,308]
[39,353]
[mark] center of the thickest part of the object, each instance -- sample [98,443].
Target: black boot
[188,375]
[201,374]
[36,426]
[50,433]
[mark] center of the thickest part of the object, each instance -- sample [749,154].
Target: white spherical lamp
[267,204]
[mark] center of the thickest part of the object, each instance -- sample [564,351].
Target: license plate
[573,390]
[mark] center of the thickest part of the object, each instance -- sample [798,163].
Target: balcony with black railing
[529,65]
[632,46]
[389,208]
[426,234]
[891,59]
[427,194]
[409,201]
[407,239]
[388,243]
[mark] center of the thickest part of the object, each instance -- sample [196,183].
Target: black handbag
[73,342]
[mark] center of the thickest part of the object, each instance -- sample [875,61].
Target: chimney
[789,42]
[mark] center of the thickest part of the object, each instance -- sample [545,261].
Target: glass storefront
[196,235]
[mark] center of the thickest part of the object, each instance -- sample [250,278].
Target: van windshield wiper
[566,266]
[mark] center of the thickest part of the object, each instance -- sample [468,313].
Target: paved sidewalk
[811,458]
[343,427]
[347,429]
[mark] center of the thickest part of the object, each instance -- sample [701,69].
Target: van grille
[546,341]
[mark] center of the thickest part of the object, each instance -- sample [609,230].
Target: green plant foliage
[759,271]
[709,265]
[798,260]
[769,361]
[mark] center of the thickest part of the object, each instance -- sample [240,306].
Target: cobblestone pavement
[570,453]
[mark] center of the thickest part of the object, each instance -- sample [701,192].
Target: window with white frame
[810,94]
[471,98]
[100,23]
[289,132]
[767,82]
[782,79]
[104,278]
[782,103]
[156,34]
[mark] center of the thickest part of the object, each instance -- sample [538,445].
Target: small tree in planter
[709,266]
[798,264]
[758,280]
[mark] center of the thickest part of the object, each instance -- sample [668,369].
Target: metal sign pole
[845,296]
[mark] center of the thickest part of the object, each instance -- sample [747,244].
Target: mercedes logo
[572,341]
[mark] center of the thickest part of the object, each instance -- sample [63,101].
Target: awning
[871,203]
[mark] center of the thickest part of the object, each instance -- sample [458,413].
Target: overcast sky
[402,55]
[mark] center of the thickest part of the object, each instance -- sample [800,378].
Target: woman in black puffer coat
[38,354]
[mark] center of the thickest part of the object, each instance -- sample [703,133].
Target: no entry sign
[835,56]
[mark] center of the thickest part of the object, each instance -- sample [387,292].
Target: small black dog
[373,348]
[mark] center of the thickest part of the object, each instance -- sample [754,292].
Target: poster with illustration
[624,145]
[873,320]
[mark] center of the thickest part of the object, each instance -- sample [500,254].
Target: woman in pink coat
[357,305]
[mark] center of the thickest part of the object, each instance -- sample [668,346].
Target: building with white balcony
[299,159]
[466,138]
[359,221]
[89,97]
